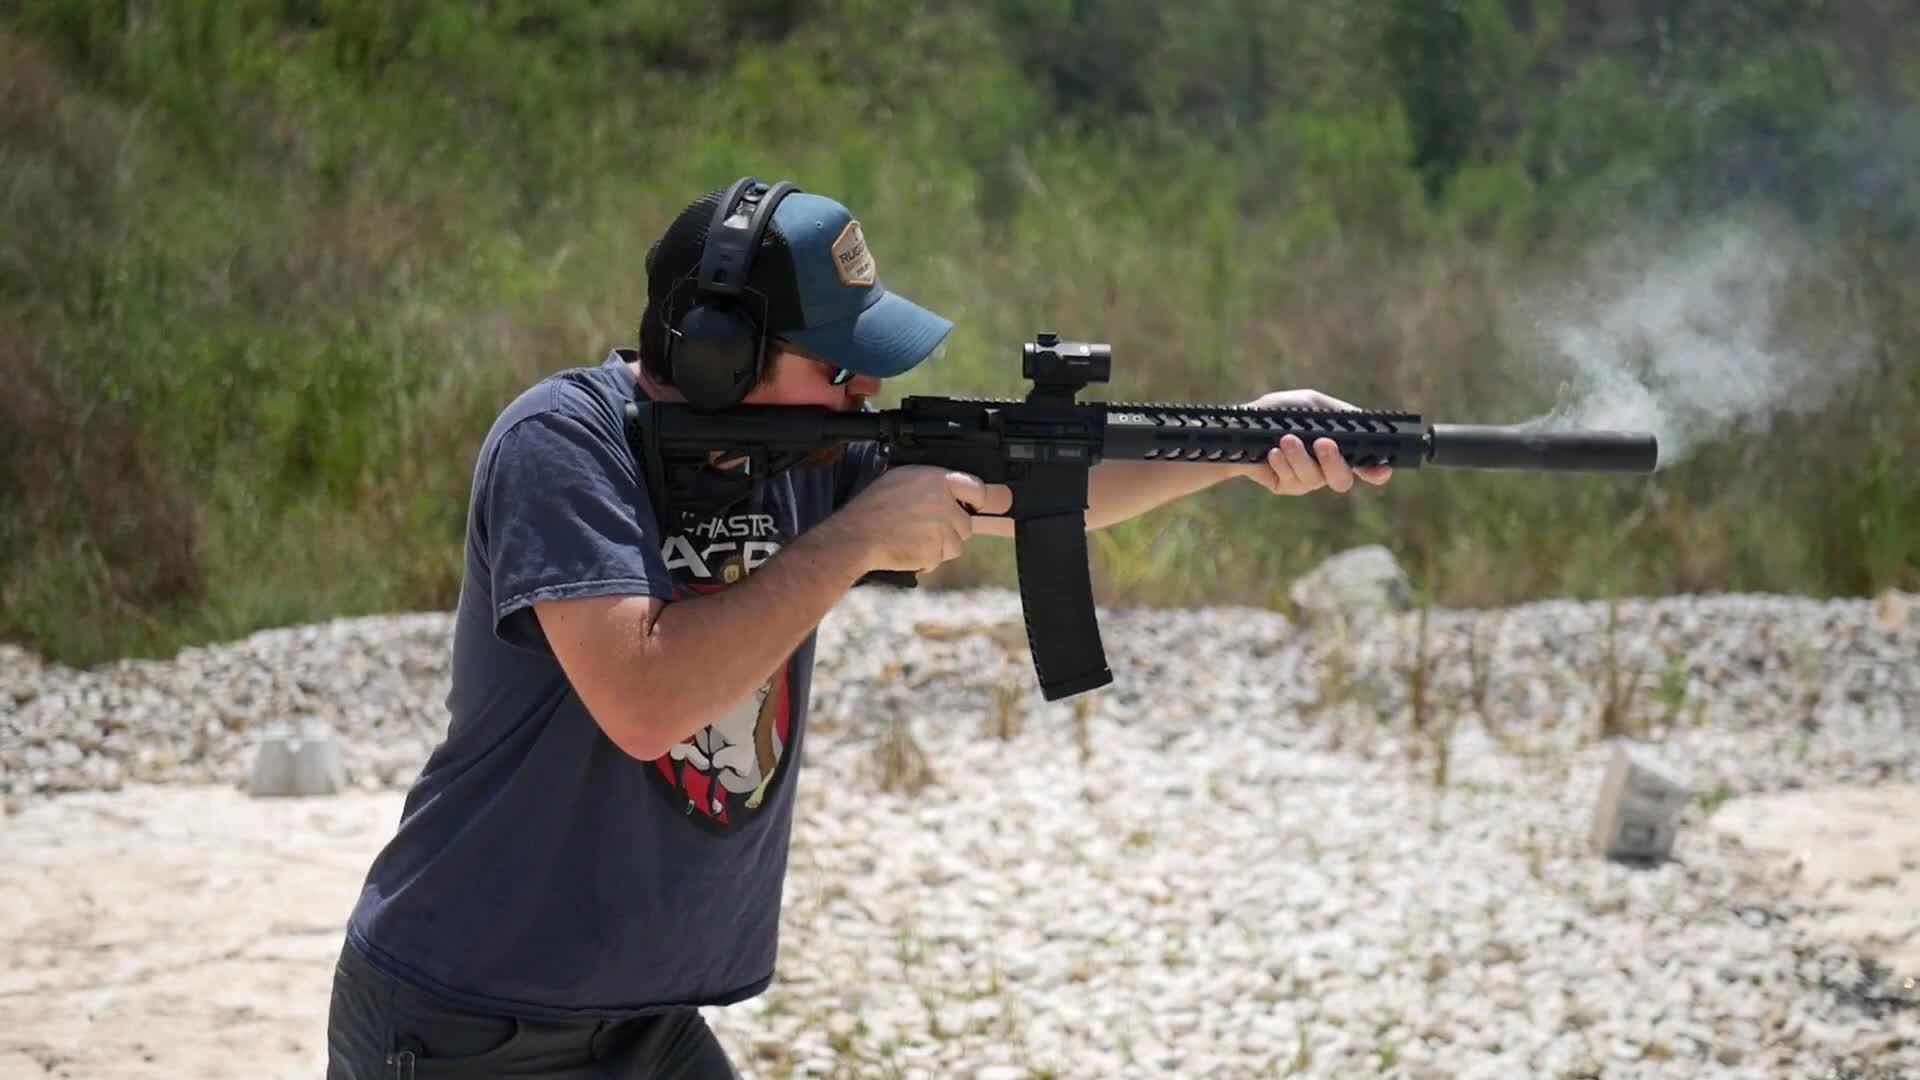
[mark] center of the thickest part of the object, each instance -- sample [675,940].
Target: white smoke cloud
[1692,337]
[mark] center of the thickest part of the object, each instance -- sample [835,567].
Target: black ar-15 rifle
[1043,446]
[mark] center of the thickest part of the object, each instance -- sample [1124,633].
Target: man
[597,848]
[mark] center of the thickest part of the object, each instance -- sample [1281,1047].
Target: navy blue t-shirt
[537,868]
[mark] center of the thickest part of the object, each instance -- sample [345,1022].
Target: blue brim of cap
[888,338]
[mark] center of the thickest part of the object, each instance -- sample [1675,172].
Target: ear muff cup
[717,357]
[715,353]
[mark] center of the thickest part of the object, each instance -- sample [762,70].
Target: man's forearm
[719,648]
[1118,490]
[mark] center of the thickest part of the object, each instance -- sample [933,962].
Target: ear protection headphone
[715,354]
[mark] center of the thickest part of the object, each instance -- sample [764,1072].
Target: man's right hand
[915,517]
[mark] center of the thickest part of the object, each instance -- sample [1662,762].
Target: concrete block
[297,762]
[1639,806]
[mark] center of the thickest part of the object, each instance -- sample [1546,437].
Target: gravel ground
[1250,856]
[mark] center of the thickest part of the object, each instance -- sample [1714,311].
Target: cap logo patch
[851,259]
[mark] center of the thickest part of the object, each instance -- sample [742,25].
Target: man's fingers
[1304,470]
[1281,480]
[1375,474]
[1286,478]
[1274,476]
[983,497]
[1334,467]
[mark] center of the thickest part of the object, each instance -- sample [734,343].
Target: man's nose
[863,386]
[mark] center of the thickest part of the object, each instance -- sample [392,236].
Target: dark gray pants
[380,1028]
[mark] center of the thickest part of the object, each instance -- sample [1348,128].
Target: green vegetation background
[268,267]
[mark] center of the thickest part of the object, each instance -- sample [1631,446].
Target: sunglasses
[836,376]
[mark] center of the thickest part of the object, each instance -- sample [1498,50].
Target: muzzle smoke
[1701,338]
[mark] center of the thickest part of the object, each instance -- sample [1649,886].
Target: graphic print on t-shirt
[722,773]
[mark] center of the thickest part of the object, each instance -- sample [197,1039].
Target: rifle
[1042,447]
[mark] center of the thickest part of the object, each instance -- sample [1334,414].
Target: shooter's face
[795,378]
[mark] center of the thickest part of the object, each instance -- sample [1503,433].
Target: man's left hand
[1290,469]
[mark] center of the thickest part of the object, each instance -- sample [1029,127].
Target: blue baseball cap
[816,282]
[845,315]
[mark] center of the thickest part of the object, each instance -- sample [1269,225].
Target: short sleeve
[861,465]
[566,516]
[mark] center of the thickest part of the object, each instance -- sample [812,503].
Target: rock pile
[379,683]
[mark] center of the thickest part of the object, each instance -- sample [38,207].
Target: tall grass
[269,268]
